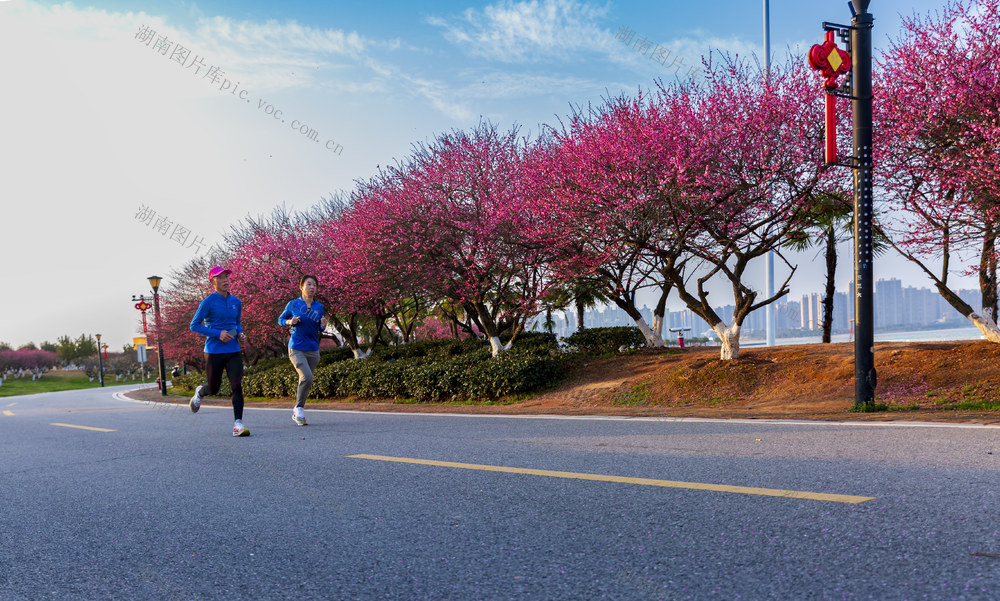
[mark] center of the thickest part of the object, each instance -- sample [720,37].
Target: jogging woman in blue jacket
[306,318]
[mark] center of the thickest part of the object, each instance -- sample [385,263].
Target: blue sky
[99,129]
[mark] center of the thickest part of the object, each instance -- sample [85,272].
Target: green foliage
[427,348]
[600,341]
[632,396]
[341,353]
[513,372]
[71,350]
[427,371]
[869,407]
[533,340]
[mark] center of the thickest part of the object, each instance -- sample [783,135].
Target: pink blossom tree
[457,216]
[938,116]
[604,167]
[697,183]
[756,145]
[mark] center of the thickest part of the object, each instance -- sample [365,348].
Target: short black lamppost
[154,281]
[100,360]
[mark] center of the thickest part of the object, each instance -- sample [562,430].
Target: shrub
[599,341]
[341,353]
[513,372]
[533,340]
[266,364]
[428,371]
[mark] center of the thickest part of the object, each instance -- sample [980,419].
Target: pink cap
[217,271]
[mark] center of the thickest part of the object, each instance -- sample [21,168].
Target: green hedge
[600,341]
[432,371]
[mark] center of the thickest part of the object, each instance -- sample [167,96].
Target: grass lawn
[55,380]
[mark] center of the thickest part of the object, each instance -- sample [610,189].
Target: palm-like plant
[829,222]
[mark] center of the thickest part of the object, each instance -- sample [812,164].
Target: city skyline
[917,307]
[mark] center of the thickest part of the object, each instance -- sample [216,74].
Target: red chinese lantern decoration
[143,306]
[831,62]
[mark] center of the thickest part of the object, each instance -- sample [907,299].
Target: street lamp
[154,281]
[857,61]
[100,360]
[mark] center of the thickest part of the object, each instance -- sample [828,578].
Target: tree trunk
[579,314]
[660,311]
[349,332]
[831,272]
[652,339]
[988,275]
[730,338]
[489,328]
[987,326]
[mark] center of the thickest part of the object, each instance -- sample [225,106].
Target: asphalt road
[168,505]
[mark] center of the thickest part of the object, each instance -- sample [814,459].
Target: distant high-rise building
[840,303]
[811,311]
[850,301]
[888,302]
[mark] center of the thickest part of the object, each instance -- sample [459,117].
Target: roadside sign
[140,350]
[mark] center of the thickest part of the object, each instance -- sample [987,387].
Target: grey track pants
[305,363]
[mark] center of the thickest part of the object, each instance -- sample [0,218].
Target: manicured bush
[428,371]
[600,341]
[513,372]
[188,381]
[341,353]
[533,340]
[266,364]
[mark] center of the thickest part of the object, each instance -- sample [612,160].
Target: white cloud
[528,31]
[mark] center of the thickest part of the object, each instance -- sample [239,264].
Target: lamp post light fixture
[100,361]
[154,281]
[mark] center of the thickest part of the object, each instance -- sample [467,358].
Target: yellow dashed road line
[768,492]
[84,427]
[5,412]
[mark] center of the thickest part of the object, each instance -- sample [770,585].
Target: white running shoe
[299,416]
[239,430]
[195,403]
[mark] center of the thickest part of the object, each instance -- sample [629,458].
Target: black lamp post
[864,327]
[100,360]
[827,59]
[154,281]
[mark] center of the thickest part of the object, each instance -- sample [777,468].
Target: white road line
[706,420]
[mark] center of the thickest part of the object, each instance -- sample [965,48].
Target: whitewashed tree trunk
[730,338]
[360,354]
[987,326]
[658,326]
[496,347]
[653,340]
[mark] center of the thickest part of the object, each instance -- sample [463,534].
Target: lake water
[969,333]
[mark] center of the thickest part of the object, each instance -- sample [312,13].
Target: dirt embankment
[922,381]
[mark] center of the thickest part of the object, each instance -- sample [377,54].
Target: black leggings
[232,364]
